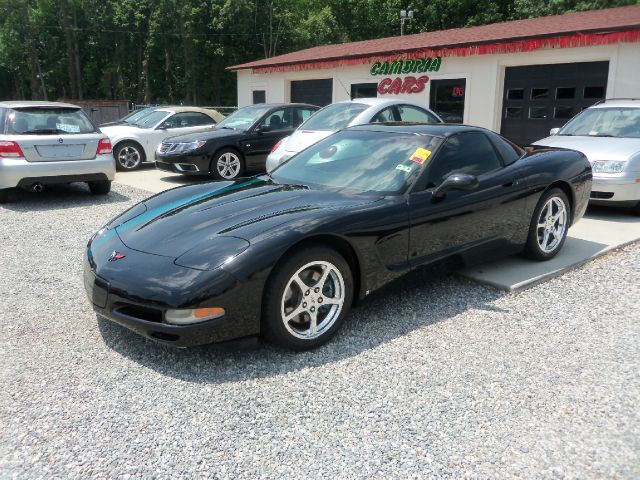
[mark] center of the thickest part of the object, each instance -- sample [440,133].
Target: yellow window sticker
[420,155]
[404,168]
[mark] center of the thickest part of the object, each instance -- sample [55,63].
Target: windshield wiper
[225,128]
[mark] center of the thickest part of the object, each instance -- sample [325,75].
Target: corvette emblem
[116,256]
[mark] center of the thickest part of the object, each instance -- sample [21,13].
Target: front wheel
[549,226]
[129,156]
[101,187]
[227,164]
[307,298]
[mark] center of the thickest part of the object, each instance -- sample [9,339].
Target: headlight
[608,166]
[182,147]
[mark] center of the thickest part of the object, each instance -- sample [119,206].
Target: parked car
[286,254]
[136,143]
[608,133]
[236,145]
[45,143]
[340,115]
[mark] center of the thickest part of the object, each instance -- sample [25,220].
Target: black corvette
[235,146]
[286,255]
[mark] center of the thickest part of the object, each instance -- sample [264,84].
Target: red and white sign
[395,86]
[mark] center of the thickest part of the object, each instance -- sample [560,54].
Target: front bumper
[18,171]
[185,164]
[616,189]
[136,291]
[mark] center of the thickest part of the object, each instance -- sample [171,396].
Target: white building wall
[484,75]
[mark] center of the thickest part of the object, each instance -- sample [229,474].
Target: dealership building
[519,78]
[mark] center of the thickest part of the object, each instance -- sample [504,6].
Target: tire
[548,229]
[129,156]
[101,187]
[292,288]
[4,195]
[227,164]
[635,210]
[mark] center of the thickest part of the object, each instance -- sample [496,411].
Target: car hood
[205,134]
[176,221]
[301,139]
[595,148]
[121,130]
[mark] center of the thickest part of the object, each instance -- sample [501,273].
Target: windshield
[245,117]
[605,122]
[47,121]
[133,117]
[361,161]
[151,119]
[334,117]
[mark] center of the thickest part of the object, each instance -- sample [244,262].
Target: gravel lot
[435,377]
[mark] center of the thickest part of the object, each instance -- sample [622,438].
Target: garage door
[315,92]
[538,98]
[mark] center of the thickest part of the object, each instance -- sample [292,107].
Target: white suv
[44,143]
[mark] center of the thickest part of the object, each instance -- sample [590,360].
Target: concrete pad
[155,181]
[600,231]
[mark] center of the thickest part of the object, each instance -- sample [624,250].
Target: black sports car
[238,144]
[286,255]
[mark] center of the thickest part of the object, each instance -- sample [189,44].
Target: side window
[409,113]
[281,119]
[508,151]
[303,115]
[386,115]
[470,153]
[172,121]
[195,119]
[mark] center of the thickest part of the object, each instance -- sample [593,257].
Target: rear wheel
[129,156]
[227,164]
[549,226]
[101,187]
[4,195]
[307,298]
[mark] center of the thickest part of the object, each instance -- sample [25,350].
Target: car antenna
[345,88]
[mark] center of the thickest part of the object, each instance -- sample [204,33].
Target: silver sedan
[340,115]
[609,135]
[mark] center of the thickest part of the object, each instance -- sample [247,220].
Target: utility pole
[405,16]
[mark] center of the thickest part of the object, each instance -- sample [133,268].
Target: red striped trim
[518,46]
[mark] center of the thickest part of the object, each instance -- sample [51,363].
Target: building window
[593,92]
[539,93]
[537,113]
[447,99]
[364,90]
[563,113]
[515,94]
[565,93]
[259,96]
[513,112]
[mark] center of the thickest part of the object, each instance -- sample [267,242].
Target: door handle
[510,184]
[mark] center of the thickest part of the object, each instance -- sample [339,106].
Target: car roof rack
[613,99]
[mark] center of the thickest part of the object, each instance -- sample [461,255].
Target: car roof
[36,103]
[618,102]
[379,102]
[435,129]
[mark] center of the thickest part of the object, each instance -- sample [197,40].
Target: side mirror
[263,129]
[456,181]
[163,126]
[554,131]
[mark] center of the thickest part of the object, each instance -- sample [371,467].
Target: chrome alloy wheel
[312,300]
[552,224]
[128,157]
[228,165]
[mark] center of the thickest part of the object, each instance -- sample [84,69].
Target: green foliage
[174,51]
